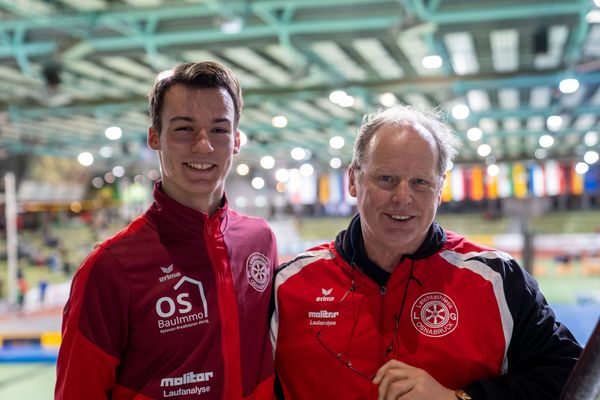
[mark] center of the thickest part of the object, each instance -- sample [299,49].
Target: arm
[542,352]
[94,330]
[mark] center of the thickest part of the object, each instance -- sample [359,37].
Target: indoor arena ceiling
[71,68]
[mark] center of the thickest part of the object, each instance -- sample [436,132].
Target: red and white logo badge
[434,314]
[258,271]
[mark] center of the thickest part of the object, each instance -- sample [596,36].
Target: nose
[202,142]
[402,193]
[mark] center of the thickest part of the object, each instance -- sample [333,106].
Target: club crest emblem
[258,271]
[434,314]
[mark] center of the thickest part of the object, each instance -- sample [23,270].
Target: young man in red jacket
[175,305]
[396,307]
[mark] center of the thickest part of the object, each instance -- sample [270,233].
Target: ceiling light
[432,62]
[258,183]
[267,162]
[298,153]
[460,111]
[85,158]
[113,133]
[593,16]
[591,138]
[493,170]
[306,169]
[243,138]
[260,201]
[106,151]
[540,154]
[153,174]
[335,162]
[568,85]
[581,168]
[232,26]
[97,182]
[484,150]
[590,157]
[388,99]
[337,96]
[546,141]
[474,134]
[242,169]
[597,3]
[346,102]
[282,175]
[241,201]
[109,177]
[336,142]
[118,171]
[554,122]
[279,121]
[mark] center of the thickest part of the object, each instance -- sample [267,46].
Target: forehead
[180,98]
[409,144]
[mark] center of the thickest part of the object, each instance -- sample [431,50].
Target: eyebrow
[190,119]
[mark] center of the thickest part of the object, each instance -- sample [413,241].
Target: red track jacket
[468,315]
[173,306]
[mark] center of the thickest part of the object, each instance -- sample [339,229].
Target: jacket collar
[178,220]
[350,245]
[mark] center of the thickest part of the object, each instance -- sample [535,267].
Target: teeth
[400,217]
[200,166]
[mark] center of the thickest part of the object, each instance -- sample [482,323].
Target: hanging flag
[504,183]
[446,188]
[552,178]
[591,179]
[324,196]
[576,181]
[491,186]
[457,183]
[536,178]
[476,188]
[519,178]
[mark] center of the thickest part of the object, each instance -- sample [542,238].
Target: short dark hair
[446,141]
[206,74]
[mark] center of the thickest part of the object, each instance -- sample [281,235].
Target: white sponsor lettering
[186,378]
[323,314]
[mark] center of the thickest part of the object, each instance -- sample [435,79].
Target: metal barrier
[584,381]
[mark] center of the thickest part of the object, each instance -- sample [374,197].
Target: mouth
[200,166]
[402,218]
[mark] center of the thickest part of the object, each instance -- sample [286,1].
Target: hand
[397,380]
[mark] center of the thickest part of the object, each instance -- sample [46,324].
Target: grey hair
[446,141]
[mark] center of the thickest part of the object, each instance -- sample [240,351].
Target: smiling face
[398,190]
[196,145]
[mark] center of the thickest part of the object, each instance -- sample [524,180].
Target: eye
[183,129]
[220,130]
[420,183]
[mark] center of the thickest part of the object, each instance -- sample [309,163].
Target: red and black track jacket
[467,314]
[173,306]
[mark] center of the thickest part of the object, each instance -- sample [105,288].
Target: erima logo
[167,270]
[326,293]
[190,377]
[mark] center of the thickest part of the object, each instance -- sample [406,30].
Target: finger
[391,377]
[391,364]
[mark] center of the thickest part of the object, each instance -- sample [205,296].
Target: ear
[236,142]
[153,139]
[441,187]
[351,182]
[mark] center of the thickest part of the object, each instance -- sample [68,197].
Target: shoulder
[320,253]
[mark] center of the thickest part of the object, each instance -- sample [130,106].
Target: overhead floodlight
[568,85]
[298,153]
[591,157]
[474,134]
[336,142]
[232,26]
[337,96]
[106,151]
[554,122]
[546,141]
[258,183]
[85,158]
[335,162]
[242,169]
[540,154]
[432,62]
[461,111]
[484,150]
[581,168]
[279,121]
[306,169]
[113,133]
[243,138]
[388,99]
[282,175]
[590,138]
[493,170]
[118,171]
[267,162]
